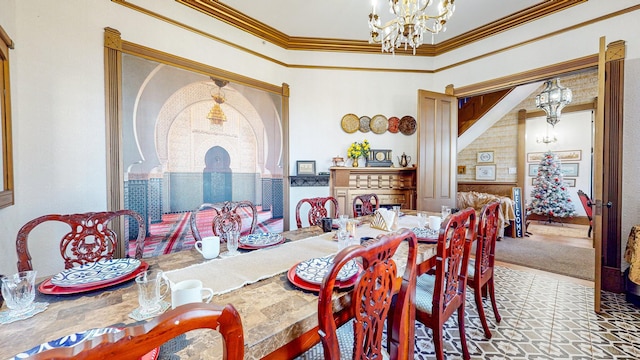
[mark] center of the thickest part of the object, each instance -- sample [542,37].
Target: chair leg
[477,294]
[463,335]
[492,294]
[438,342]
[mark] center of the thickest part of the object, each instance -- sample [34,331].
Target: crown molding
[233,17]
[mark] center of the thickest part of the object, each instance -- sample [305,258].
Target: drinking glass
[446,211]
[19,291]
[422,219]
[342,221]
[232,242]
[343,238]
[152,288]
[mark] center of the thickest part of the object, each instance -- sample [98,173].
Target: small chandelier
[410,22]
[553,99]
[216,115]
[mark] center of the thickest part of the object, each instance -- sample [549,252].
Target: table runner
[227,274]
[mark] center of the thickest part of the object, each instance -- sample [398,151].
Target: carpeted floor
[551,256]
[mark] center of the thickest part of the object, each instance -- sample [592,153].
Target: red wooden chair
[227,216]
[480,277]
[137,340]
[365,204]
[439,294]
[318,209]
[587,204]
[89,240]
[372,303]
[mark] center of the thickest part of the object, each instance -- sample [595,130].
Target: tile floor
[543,317]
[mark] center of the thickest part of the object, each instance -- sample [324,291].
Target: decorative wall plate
[350,123]
[260,240]
[95,273]
[364,124]
[379,124]
[314,270]
[394,122]
[407,125]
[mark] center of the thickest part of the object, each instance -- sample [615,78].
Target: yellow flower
[358,149]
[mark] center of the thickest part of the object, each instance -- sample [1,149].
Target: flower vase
[355,162]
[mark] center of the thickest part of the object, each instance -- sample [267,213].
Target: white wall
[57,86]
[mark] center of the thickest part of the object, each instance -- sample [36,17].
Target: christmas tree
[549,195]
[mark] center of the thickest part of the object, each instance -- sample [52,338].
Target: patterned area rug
[174,232]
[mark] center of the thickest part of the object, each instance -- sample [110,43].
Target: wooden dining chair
[134,341]
[439,294]
[223,217]
[587,205]
[365,204]
[89,240]
[378,296]
[480,276]
[318,209]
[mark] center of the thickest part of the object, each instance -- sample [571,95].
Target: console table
[394,186]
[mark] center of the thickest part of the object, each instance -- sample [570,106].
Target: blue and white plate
[313,270]
[65,341]
[95,273]
[424,233]
[260,240]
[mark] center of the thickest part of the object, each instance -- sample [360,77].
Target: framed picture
[566,155]
[306,167]
[569,169]
[569,155]
[534,156]
[462,169]
[570,182]
[533,169]
[485,157]
[485,172]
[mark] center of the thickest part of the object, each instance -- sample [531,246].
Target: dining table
[279,319]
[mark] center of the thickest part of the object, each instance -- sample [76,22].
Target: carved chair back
[587,204]
[318,209]
[441,294]
[89,240]
[134,341]
[373,300]
[481,271]
[227,216]
[365,204]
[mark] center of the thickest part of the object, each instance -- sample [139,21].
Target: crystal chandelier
[553,99]
[216,115]
[411,19]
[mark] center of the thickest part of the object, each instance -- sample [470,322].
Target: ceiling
[341,25]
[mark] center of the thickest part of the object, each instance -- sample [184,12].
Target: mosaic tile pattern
[542,318]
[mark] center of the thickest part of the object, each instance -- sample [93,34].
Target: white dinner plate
[95,272]
[313,270]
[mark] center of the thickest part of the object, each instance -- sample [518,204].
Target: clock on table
[380,158]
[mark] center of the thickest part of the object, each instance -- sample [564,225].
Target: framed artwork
[305,167]
[485,172]
[485,157]
[569,169]
[533,169]
[566,155]
[570,182]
